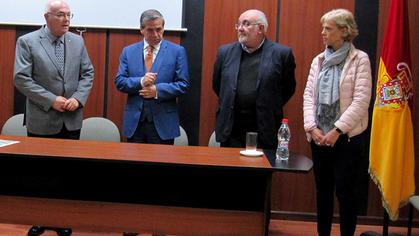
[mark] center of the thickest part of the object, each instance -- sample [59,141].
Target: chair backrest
[99,129]
[212,142]
[14,126]
[182,140]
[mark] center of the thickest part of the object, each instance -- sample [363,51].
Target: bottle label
[283,144]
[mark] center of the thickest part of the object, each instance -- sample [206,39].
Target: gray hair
[261,19]
[343,19]
[148,15]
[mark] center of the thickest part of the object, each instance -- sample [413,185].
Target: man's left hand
[71,104]
[149,92]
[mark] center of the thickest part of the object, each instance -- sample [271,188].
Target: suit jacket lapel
[46,44]
[266,55]
[235,61]
[160,57]
[139,58]
[68,49]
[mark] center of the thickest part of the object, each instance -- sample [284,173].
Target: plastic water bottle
[284,135]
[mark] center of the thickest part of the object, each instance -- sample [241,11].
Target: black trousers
[146,133]
[336,168]
[244,121]
[63,134]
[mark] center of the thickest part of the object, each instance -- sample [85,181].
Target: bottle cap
[285,120]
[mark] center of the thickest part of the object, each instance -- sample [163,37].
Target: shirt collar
[251,51]
[156,47]
[51,37]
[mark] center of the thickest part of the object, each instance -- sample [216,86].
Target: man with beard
[253,79]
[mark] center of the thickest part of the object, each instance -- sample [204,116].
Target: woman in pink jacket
[336,100]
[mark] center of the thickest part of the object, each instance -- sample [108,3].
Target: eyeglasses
[245,24]
[62,15]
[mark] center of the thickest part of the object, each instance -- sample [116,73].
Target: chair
[14,126]
[99,129]
[212,142]
[182,140]
[414,203]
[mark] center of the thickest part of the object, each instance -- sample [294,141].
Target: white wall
[112,14]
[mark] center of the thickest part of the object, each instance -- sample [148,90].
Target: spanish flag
[392,147]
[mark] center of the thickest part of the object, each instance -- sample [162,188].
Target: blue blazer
[275,86]
[172,80]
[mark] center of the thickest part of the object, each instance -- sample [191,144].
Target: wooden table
[123,187]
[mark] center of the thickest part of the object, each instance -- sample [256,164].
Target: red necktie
[149,58]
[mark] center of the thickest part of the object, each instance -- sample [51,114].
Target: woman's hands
[324,140]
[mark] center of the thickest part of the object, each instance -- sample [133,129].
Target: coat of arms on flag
[392,155]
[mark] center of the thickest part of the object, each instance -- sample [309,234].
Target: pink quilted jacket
[354,90]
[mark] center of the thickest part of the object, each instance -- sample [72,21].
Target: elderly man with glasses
[253,78]
[54,72]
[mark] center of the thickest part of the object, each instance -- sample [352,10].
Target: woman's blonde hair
[343,19]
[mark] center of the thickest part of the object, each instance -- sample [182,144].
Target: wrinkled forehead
[155,23]
[248,16]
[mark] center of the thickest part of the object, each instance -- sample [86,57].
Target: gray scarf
[328,109]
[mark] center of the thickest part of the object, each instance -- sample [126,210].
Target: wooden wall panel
[7,56]
[220,17]
[119,39]
[300,29]
[95,41]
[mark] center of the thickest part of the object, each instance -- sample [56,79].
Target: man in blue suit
[153,73]
[253,78]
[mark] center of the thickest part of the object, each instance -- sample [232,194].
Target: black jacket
[275,86]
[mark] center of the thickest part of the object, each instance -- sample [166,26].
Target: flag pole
[386,221]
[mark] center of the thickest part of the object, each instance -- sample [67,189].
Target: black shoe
[63,231]
[129,234]
[36,230]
